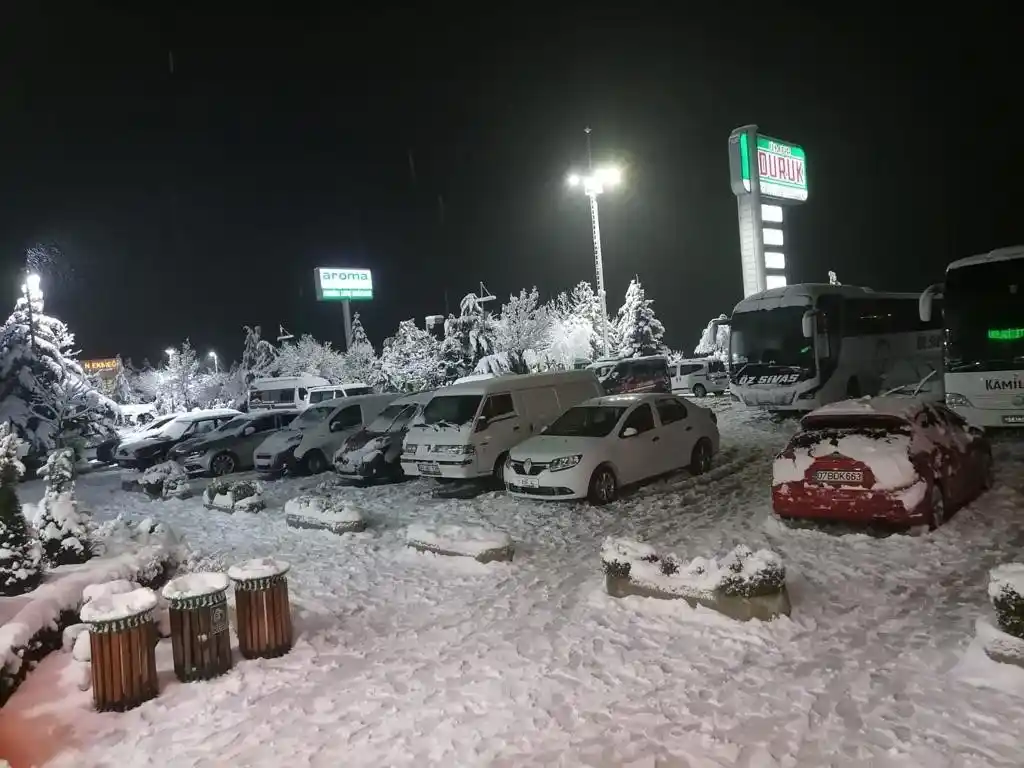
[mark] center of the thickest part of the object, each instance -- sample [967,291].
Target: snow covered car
[607,442]
[888,460]
[375,451]
[230,448]
[106,450]
[153,446]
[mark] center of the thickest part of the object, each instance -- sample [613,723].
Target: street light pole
[594,183]
[216,365]
[31,289]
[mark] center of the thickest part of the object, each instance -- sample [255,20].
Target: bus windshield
[771,337]
[984,316]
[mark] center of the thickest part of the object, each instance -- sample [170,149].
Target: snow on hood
[547,447]
[887,457]
[280,441]
[365,447]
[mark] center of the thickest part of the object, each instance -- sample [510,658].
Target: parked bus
[800,346]
[983,315]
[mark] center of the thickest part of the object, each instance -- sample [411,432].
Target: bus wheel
[853,388]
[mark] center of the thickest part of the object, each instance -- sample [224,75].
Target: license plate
[838,476]
[527,482]
[429,468]
[1017,418]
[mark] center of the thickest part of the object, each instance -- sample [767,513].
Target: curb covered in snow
[482,545]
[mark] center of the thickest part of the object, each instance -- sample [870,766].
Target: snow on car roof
[212,412]
[626,398]
[900,407]
[999,254]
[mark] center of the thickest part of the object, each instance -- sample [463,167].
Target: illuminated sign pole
[343,285]
[765,175]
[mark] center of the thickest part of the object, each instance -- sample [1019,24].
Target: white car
[597,447]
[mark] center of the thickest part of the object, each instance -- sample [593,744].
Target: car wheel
[699,390]
[315,462]
[988,475]
[223,464]
[852,389]
[604,488]
[700,461]
[938,504]
[499,469]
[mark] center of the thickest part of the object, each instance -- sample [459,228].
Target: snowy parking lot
[410,659]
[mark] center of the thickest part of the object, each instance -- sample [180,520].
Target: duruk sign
[781,168]
[343,284]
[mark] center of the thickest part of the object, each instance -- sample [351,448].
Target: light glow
[772,236]
[775,281]
[774,260]
[169,351]
[32,282]
[1005,334]
[771,213]
[601,178]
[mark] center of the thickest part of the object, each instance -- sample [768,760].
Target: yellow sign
[99,366]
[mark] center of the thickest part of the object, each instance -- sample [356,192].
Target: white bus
[983,314]
[801,346]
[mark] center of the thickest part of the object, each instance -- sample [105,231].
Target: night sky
[193,201]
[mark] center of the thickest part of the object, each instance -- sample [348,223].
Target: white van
[283,391]
[699,377]
[327,425]
[467,430]
[334,391]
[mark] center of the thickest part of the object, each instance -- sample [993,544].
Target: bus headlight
[953,399]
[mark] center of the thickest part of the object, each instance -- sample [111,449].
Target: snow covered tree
[181,382]
[467,338]
[640,332]
[583,304]
[714,341]
[410,360]
[44,392]
[309,356]
[62,529]
[258,356]
[361,361]
[123,390]
[20,553]
[523,325]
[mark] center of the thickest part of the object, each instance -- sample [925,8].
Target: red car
[889,460]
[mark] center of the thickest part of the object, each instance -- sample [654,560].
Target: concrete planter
[764,607]
[312,523]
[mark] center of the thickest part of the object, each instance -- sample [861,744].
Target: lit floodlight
[610,175]
[213,354]
[32,282]
[169,351]
[573,179]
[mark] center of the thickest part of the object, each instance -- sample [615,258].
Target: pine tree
[410,360]
[358,332]
[44,392]
[361,362]
[258,356]
[640,332]
[20,554]
[62,529]
[467,338]
[123,392]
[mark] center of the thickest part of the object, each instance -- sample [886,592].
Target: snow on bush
[325,512]
[20,552]
[1006,590]
[740,573]
[167,480]
[462,540]
[243,495]
[714,341]
[61,527]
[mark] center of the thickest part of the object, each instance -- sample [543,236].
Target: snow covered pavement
[411,659]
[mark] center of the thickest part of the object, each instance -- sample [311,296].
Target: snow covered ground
[411,659]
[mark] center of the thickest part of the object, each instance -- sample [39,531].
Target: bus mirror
[807,323]
[924,306]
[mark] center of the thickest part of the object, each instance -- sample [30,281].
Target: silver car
[230,448]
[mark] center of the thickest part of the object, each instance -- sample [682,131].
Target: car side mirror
[335,426]
[481,424]
[249,431]
[630,432]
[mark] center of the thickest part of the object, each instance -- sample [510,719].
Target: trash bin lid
[116,607]
[260,568]
[195,585]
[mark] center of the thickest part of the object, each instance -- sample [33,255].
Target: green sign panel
[343,284]
[781,167]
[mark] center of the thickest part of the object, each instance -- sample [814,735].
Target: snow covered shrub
[746,574]
[1006,590]
[166,480]
[61,527]
[244,495]
[20,553]
[325,513]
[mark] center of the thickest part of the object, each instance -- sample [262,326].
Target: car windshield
[155,426]
[451,409]
[771,337]
[394,418]
[312,416]
[173,429]
[984,313]
[233,424]
[586,421]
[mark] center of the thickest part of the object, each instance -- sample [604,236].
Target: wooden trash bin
[122,639]
[262,610]
[198,608]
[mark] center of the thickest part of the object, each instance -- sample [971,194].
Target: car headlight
[954,399]
[411,448]
[565,462]
[195,454]
[455,450]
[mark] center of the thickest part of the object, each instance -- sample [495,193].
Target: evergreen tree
[123,391]
[20,554]
[44,392]
[359,333]
[640,332]
[62,529]
[467,338]
[410,360]
[258,356]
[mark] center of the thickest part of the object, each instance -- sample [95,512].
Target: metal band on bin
[120,625]
[209,600]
